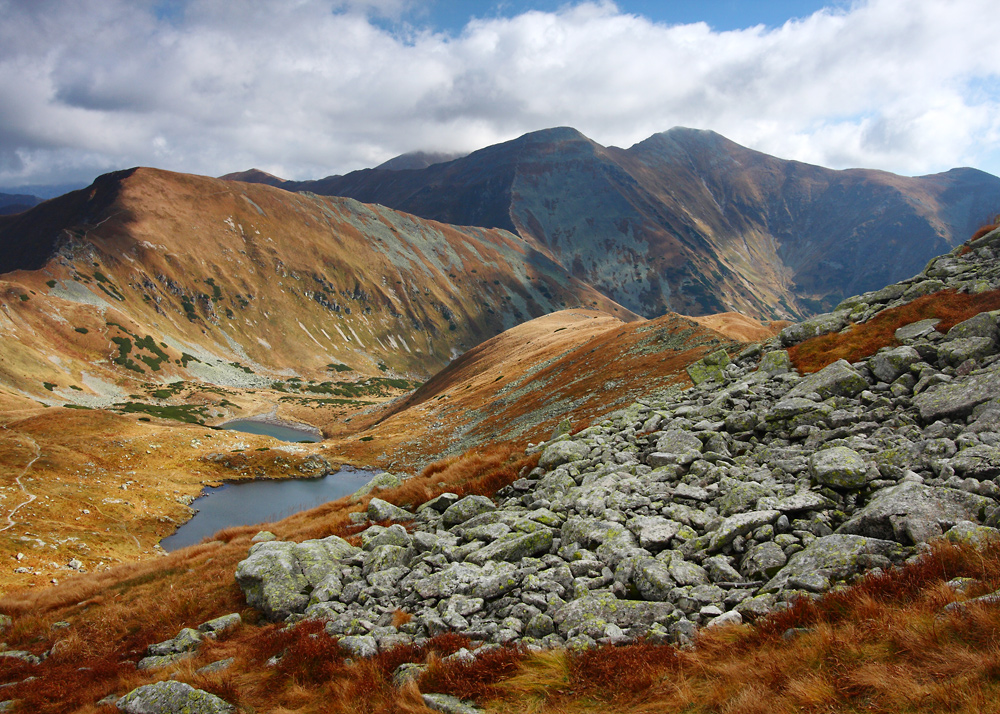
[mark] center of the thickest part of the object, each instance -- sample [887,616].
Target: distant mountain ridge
[690,221]
[17,202]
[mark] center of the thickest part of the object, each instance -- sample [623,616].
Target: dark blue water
[242,504]
[278,431]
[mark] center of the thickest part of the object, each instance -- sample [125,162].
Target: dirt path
[31,496]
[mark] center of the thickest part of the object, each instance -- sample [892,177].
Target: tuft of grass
[863,340]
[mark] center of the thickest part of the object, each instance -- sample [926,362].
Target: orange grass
[114,615]
[863,340]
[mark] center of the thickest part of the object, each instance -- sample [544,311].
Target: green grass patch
[334,367]
[50,283]
[188,413]
[24,298]
[81,330]
[48,385]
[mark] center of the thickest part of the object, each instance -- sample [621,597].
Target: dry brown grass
[863,340]
[115,615]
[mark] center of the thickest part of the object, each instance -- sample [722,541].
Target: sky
[309,88]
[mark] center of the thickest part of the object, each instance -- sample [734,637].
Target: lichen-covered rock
[379,510]
[836,557]
[653,532]
[763,560]
[466,508]
[819,325]
[172,698]
[914,513]
[278,576]
[740,525]
[980,462]
[972,533]
[743,497]
[448,704]
[776,362]
[888,364]
[954,352]
[563,452]
[513,547]
[272,580]
[838,467]
[959,398]
[592,613]
[838,379]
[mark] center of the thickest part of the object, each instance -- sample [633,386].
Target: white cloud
[304,88]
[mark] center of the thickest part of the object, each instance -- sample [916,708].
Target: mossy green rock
[514,546]
[776,362]
[592,613]
[836,557]
[838,379]
[172,698]
[700,372]
[838,467]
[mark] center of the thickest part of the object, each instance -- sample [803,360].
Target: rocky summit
[691,508]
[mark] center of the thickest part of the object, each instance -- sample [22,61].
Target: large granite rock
[172,698]
[832,558]
[915,513]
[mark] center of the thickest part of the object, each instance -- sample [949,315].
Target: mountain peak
[254,176]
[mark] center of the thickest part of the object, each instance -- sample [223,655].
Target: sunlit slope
[518,386]
[251,281]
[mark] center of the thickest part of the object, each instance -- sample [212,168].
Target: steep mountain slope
[247,278]
[574,365]
[137,312]
[692,222]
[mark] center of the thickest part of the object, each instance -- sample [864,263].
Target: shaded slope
[692,222]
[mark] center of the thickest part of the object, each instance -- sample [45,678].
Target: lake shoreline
[271,419]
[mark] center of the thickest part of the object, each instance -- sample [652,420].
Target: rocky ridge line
[722,503]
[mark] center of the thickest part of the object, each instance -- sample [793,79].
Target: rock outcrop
[710,506]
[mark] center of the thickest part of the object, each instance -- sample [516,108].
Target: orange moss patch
[863,340]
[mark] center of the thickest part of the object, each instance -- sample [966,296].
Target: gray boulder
[563,452]
[277,576]
[172,698]
[889,364]
[272,580]
[834,557]
[776,362]
[379,510]
[466,508]
[592,613]
[913,512]
[838,467]
[958,398]
[838,379]
[979,462]
[763,560]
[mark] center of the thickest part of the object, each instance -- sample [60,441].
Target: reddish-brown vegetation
[982,231]
[865,339]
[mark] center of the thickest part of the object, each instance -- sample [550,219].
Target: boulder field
[713,505]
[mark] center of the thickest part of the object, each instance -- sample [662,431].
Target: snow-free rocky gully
[689,509]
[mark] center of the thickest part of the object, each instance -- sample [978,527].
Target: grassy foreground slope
[884,645]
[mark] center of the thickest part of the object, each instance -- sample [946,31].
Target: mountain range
[689,221]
